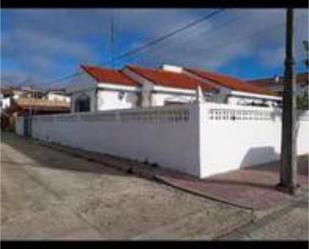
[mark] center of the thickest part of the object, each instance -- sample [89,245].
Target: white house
[13,93]
[134,86]
[5,102]
[57,95]
[235,91]
[103,89]
[168,85]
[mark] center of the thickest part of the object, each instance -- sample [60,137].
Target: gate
[27,126]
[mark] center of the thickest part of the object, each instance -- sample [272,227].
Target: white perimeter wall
[166,135]
[201,140]
[252,138]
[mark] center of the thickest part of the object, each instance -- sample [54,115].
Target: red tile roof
[108,75]
[227,81]
[302,77]
[169,79]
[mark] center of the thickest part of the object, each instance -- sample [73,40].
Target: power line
[212,50]
[148,44]
[184,39]
[170,34]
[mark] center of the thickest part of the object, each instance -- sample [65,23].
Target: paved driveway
[47,194]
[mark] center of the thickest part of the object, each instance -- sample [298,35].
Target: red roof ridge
[228,81]
[214,73]
[109,75]
[162,79]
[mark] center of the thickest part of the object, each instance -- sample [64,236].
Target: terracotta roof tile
[228,81]
[170,79]
[108,75]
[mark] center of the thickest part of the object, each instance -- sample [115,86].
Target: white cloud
[38,40]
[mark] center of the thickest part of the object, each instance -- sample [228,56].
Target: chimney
[172,68]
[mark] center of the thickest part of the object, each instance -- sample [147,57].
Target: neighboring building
[33,106]
[4,100]
[7,93]
[30,92]
[57,95]
[30,106]
[134,86]
[10,93]
[275,84]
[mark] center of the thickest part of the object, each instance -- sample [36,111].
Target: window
[121,95]
[82,103]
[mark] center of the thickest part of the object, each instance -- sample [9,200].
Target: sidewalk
[252,188]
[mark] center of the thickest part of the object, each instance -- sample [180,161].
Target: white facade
[111,96]
[200,139]
[107,97]
[161,98]
[5,103]
[162,95]
[242,98]
[52,96]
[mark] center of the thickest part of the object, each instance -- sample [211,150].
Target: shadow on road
[50,158]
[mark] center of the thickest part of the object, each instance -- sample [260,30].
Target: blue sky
[41,45]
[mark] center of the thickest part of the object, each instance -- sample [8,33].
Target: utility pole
[306,48]
[288,167]
[30,114]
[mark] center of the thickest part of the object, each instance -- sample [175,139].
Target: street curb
[199,193]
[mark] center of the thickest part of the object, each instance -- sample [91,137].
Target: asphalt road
[47,194]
